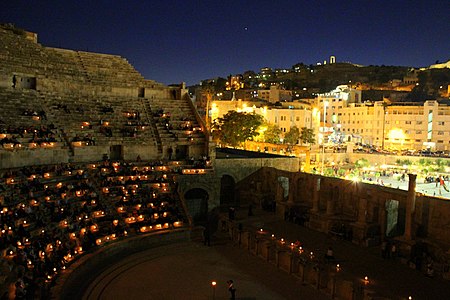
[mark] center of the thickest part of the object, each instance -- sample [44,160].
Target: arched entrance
[227,191]
[197,204]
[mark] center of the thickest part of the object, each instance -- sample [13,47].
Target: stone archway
[227,190]
[197,204]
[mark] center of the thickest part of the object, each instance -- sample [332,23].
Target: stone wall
[20,158]
[329,204]
[240,168]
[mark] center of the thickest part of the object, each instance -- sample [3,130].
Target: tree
[362,163]
[292,136]
[272,134]
[234,128]
[307,136]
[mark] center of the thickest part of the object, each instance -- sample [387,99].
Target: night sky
[174,41]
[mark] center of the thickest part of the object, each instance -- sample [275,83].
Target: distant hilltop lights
[332,61]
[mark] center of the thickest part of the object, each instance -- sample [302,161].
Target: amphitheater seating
[176,123]
[50,215]
[20,55]
[104,119]
[24,120]
[97,116]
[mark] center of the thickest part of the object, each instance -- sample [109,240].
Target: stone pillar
[330,206]
[292,190]
[257,246]
[315,194]
[279,193]
[410,205]
[362,208]
[291,262]
[382,218]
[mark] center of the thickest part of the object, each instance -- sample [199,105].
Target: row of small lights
[338,267]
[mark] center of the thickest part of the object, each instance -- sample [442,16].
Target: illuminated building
[395,126]
[275,94]
[286,116]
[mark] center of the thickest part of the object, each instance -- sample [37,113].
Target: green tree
[234,128]
[362,163]
[307,136]
[272,134]
[292,136]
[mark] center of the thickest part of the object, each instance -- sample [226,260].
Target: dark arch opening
[227,191]
[197,204]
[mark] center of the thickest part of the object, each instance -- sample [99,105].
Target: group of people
[36,134]
[388,250]
[34,113]
[49,215]
[186,124]
[87,138]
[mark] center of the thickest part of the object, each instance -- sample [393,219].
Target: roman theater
[111,185]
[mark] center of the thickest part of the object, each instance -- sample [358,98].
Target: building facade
[397,126]
[290,114]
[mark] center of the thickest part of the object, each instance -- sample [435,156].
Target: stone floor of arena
[185,270]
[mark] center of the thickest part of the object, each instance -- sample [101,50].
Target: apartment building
[286,116]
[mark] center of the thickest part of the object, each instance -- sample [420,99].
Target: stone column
[330,206]
[382,218]
[279,193]
[362,208]
[292,191]
[315,194]
[410,205]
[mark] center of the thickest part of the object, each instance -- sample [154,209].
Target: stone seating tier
[72,124]
[53,66]
[20,55]
[180,112]
[79,214]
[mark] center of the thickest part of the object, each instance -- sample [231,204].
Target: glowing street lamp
[213,285]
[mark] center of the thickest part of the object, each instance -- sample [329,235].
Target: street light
[325,104]
[213,285]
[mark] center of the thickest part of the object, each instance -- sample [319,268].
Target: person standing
[329,255]
[170,152]
[384,248]
[231,289]
[393,251]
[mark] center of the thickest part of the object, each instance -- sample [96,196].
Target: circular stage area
[186,270]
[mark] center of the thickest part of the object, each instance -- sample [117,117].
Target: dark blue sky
[173,41]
